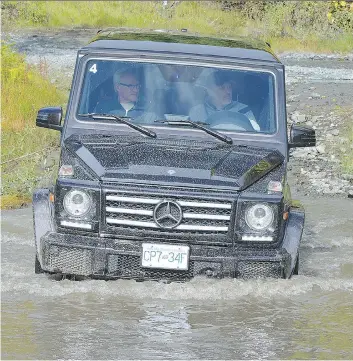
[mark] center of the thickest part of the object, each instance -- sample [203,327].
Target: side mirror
[301,136]
[50,117]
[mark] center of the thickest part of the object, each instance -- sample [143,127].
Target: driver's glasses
[131,86]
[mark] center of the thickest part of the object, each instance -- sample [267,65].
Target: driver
[219,98]
[126,103]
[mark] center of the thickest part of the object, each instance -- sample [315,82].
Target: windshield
[221,99]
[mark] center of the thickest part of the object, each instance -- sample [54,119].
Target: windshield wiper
[123,120]
[198,125]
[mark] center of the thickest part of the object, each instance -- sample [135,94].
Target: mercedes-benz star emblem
[167,214]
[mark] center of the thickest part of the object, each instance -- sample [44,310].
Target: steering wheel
[228,120]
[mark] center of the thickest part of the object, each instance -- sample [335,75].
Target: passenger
[176,94]
[127,102]
[219,98]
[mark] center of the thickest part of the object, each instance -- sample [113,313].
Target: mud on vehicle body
[175,181]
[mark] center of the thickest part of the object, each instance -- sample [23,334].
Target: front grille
[136,212]
[69,260]
[259,269]
[127,266]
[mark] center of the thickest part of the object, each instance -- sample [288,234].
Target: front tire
[37,267]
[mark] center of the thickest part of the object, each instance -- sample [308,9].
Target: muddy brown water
[309,316]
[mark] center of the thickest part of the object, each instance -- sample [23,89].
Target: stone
[350,193]
[316,118]
[347,177]
[335,132]
[301,118]
[297,117]
[315,96]
[294,115]
[301,153]
[320,148]
[292,98]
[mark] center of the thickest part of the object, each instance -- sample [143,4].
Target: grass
[343,45]
[24,147]
[347,157]
[345,149]
[290,25]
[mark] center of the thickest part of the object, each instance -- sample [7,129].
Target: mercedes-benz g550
[174,153]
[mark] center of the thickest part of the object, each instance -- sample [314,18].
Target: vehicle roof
[167,41]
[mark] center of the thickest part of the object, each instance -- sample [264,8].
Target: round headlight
[259,216]
[77,203]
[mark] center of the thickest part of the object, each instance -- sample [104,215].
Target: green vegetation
[24,147]
[345,148]
[287,25]
[347,156]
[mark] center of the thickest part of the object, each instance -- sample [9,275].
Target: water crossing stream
[309,316]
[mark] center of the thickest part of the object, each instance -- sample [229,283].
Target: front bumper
[112,258]
[109,258]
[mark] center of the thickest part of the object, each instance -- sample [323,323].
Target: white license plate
[165,256]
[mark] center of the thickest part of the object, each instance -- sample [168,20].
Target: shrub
[24,90]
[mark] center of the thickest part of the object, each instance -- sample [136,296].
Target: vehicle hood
[155,161]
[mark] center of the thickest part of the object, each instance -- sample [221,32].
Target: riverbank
[25,148]
[325,27]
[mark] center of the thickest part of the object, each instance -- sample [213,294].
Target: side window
[258,95]
[97,86]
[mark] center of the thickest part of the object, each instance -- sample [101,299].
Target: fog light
[255,238]
[76,225]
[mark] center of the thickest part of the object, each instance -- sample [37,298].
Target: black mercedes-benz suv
[174,153]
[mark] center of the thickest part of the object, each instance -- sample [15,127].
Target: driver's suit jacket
[200,112]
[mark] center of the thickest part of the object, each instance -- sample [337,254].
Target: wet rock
[320,148]
[316,118]
[315,96]
[300,118]
[292,98]
[304,153]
